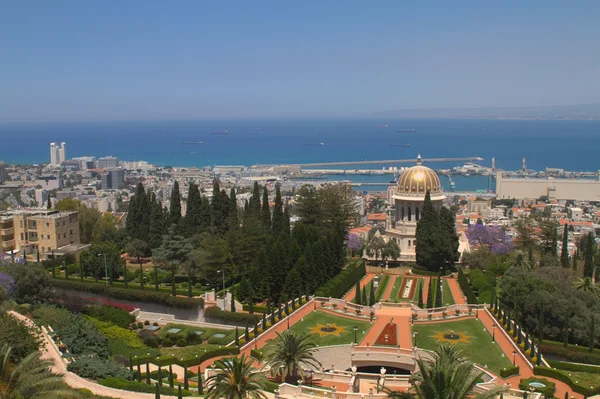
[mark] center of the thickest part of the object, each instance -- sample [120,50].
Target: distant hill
[582,111]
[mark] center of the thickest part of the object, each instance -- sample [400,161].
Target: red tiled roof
[377,217]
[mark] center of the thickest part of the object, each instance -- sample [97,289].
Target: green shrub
[561,376]
[466,287]
[98,369]
[146,323]
[574,367]
[131,294]
[220,341]
[576,354]
[214,312]
[120,383]
[256,354]
[509,371]
[381,287]
[166,342]
[18,336]
[182,342]
[256,309]
[423,272]
[547,391]
[340,284]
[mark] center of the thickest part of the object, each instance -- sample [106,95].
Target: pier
[389,161]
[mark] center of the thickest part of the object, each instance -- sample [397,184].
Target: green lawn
[416,296]
[585,379]
[480,348]
[346,336]
[207,333]
[447,298]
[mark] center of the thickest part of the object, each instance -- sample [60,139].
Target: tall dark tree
[309,207]
[265,211]
[372,294]
[438,292]
[138,249]
[172,254]
[157,225]
[420,300]
[278,216]
[254,203]
[450,240]
[564,253]
[192,220]
[234,220]
[286,221]
[205,214]
[430,294]
[138,215]
[431,250]
[588,256]
[175,205]
[357,297]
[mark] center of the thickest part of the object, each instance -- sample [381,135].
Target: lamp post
[494,332]
[415,337]
[105,268]
[222,273]
[355,330]
[514,358]
[477,312]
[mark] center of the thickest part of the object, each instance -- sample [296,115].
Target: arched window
[409,243]
[409,213]
[417,214]
[402,213]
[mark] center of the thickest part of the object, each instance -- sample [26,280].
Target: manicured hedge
[340,284]
[258,355]
[574,367]
[509,371]
[120,383]
[256,308]
[215,312]
[130,294]
[192,361]
[577,354]
[547,391]
[561,376]
[421,272]
[381,287]
[466,288]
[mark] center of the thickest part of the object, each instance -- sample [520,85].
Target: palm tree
[519,259]
[587,284]
[446,376]
[30,378]
[290,354]
[236,379]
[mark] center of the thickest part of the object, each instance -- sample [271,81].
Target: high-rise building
[107,162]
[58,153]
[1,172]
[113,179]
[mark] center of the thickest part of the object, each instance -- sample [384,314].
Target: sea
[572,145]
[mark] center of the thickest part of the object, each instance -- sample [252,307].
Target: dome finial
[419,159]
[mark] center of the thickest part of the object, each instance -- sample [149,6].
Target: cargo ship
[315,145]
[193,142]
[399,145]
[219,132]
[406,130]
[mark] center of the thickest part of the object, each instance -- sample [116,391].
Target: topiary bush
[97,369]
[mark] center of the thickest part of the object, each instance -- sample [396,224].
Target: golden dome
[418,179]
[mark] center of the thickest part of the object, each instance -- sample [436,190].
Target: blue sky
[134,60]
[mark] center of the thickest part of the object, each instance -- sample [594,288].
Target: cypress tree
[156,229]
[278,222]
[265,212]
[438,292]
[160,376]
[147,372]
[286,222]
[564,253]
[186,384]
[420,299]
[233,298]
[237,336]
[430,294]
[191,221]
[264,321]
[357,297]
[246,333]
[364,297]
[205,214]
[450,238]
[200,388]
[372,294]
[431,249]
[254,203]
[234,221]
[179,393]
[171,384]
[175,205]
[588,256]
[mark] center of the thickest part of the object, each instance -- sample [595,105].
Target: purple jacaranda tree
[7,284]
[354,243]
[492,237]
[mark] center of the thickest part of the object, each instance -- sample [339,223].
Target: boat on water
[193,142]
[315,145]
[400,145]
[382,126]
[406,130]
[220,132]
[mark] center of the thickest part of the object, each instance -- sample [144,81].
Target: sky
[64,60]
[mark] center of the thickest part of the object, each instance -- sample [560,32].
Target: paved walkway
[366,280]
[400,317]
[73,380]
[389,288]
[508,346]
[425,289]
[459,297]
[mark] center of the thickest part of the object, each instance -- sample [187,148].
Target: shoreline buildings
[58,153]
[520,188]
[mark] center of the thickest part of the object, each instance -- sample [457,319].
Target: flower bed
[389,332]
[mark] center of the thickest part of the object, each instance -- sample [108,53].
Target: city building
[41,196]
[32,230]
[107,162]
[70,166]
[48,182]
[407,200]
[1,172]
[555,189]
[137,165]
[58,153]
[479,205]
[113,179]
[86,163]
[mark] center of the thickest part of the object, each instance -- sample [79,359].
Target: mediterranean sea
[570,145]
